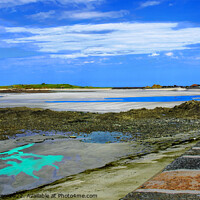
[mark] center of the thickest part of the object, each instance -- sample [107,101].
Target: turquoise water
[135,99]
[19,161]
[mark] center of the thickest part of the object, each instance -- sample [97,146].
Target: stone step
[180,180]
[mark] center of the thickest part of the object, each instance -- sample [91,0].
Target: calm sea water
[135,99]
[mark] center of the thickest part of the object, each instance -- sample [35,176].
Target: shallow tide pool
[94,137]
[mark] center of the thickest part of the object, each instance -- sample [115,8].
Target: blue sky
[100,42]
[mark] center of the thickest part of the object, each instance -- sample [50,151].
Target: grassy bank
[47,86]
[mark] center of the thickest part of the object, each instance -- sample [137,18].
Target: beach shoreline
[84,89]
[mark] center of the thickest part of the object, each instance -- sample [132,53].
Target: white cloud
[92,14]
[79,1]
[78,15]
[169,54]
[107,39]
[11,3]
[43,15]
[88,62]
[70,56]
[154,54]
[149,3]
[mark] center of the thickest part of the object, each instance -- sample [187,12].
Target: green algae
[26,162]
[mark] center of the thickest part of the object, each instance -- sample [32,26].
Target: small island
[42,88]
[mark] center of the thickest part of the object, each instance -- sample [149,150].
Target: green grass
[48,86]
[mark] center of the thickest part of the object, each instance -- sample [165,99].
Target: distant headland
[42,88]
[45,88]
[155,86]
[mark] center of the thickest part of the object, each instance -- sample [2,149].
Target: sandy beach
[38,100]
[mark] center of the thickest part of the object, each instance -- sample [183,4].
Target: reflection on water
[104,137]
[134,99]
[27,163]
[94,137]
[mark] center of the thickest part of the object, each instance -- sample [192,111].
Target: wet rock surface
[26,165]
[112,181]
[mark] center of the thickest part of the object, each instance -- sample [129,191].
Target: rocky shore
[156,129]
[140,123]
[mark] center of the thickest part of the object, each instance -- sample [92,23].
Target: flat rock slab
[27,165]
[179,180]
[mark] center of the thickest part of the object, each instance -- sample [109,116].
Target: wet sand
[39,100]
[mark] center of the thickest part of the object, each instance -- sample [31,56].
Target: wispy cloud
[89,62]
[93,14]
[77,14]
[12,3]
[106,39]
[169,54]
[149,3]
[154,54]
[43,15]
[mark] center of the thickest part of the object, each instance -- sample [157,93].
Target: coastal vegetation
[153,87]
[157,86]
[46,86]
